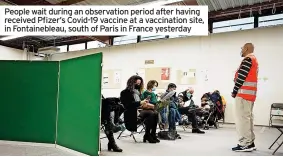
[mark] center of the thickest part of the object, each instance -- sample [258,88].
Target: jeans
[173,117]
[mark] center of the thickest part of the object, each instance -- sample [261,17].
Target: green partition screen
[79,104]
[28,101]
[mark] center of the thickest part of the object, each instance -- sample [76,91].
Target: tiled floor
[213,143]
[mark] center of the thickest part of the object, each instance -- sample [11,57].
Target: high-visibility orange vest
[249,88]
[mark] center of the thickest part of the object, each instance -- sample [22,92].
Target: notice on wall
[186,77]
[105,79]
[204,75]
[117,77]
[165,74]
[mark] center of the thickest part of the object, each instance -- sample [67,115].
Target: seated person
[131,99]
[204,101]
[149,93]
[223,100]
[109,105]
[188,108]
[173,115]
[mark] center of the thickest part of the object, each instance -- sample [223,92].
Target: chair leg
[277,148]
[120,134]
[276,140]
[134,137]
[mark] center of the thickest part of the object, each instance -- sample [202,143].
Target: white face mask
[241,54]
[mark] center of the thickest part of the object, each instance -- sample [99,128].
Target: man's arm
[242,74]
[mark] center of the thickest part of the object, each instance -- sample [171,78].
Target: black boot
[154,137]
[153,133]
[112,144]
[147,136]
[109,134]
[197,131]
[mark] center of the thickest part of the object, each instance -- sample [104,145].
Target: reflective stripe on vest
[245,91]
[250,84]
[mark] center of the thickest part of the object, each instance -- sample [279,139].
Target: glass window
[95,44]
[270,20]
[152,37]
[177,36]
[125,40]
[62,48]
[233,25]
[77,47]
[233,28]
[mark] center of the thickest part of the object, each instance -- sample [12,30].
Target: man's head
[190,93]
[248,48]
[171,87]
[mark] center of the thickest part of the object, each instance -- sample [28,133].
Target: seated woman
[189,109]
[131,99]
[149,93]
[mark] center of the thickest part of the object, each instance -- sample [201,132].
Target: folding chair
[140,124]
[102,128]
[279,127]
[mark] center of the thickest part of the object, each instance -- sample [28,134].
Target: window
[270,20]
[95,44]
[152,37]
[77,47]
[63,48]
[125,40]
[233,25]
[177,36]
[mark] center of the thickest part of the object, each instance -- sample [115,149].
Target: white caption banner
[103,20]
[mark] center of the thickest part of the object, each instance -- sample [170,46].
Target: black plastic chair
[279,127]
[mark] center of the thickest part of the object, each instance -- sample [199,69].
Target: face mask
[189,95]
[153,89]
[137,86]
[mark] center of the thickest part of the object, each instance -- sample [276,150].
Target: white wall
[7,53]
[218,53]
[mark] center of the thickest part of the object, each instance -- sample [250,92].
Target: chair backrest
[277,106]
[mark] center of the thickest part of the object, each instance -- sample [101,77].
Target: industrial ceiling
[219,10]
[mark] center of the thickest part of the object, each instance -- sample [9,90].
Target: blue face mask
[153,89]
[189,95]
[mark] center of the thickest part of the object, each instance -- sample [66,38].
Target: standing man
[244,92]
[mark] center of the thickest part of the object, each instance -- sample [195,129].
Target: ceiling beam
[245,10]
[28,2]
[69,2]
[184,2]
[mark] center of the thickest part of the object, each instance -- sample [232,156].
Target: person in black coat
[109,105]
[189,108]
[131,99]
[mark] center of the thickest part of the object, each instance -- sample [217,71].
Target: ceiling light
[11,37]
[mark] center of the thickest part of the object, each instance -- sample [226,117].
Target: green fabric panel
[79,104]
[28,105]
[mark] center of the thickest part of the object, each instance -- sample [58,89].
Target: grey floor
[213,143]
[23,150]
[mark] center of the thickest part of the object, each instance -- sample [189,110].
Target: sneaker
[253,146]
[240,148]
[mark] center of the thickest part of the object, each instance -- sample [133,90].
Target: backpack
[168,135]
